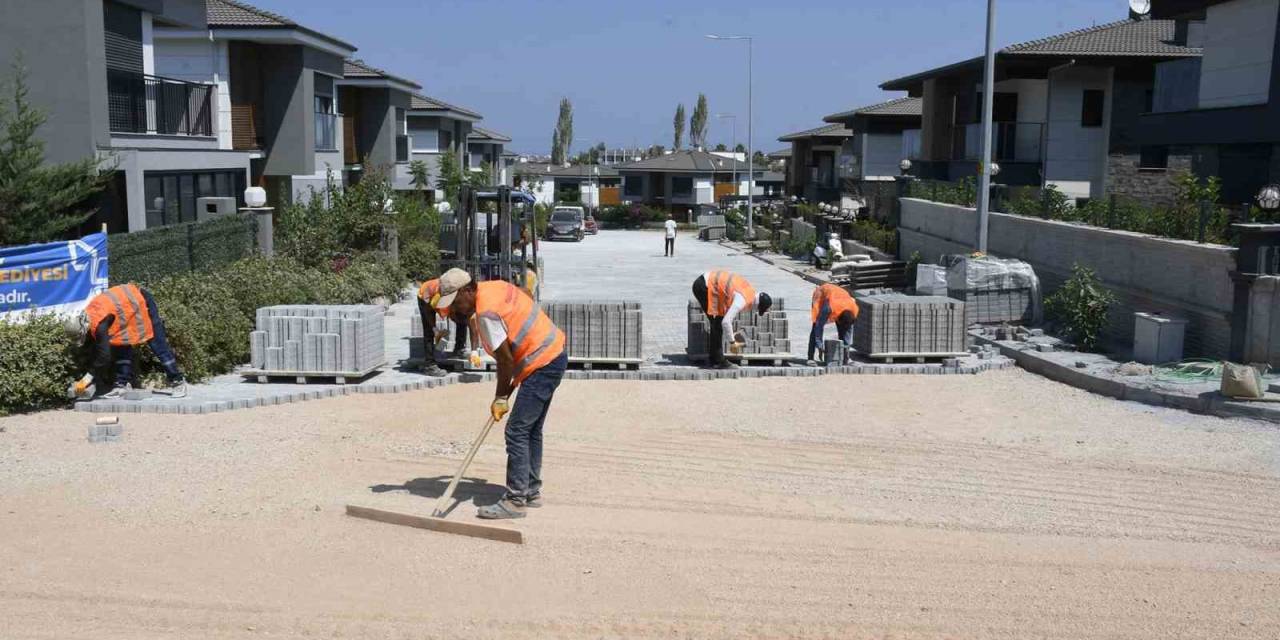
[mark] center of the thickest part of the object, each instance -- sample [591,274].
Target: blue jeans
[159,346]
[524,429]
[815,334]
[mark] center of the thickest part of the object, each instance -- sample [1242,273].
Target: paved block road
[618,265]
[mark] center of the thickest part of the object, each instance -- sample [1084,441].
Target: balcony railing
[1011,142]
[326,131]
[138,103]
[402,148]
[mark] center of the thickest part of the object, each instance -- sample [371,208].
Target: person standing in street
[670,226]
[831,302]
[531,356]
[723,295]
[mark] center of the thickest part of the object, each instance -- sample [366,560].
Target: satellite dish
[1139,8]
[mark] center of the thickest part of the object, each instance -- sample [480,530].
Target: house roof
[482,134]
[825,131]
[898,107]
[233,14]
[1120,39]
[785,152]
[584,171]
[354,68]
[420,102]
[685,161]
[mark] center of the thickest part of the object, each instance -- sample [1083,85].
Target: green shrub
[1080,307]
[337,221]
[37,361]
[875,234]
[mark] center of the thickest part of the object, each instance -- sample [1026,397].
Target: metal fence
[152,254]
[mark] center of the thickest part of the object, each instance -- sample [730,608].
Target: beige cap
[452,280]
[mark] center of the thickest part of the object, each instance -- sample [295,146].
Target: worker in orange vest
[430,337]
[723,295]
[831,302]
[531,356]
[117,320]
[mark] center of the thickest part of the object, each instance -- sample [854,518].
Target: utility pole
[984,162]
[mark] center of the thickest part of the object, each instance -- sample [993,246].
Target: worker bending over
[116,321]
[723,295]
[831,302]
[531,356]
[429,290]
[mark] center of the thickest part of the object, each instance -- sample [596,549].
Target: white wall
[704,190]
[881,153]
[198,60]
[1033,97]
[1075,156]
[1239,37]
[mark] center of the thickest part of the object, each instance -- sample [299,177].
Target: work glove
[476,360]
[499,408]
[80,388]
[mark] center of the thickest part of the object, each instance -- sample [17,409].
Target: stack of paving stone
[896,324]
[417,345]
[608,331]
[994,291]
[319,340]
[766,334]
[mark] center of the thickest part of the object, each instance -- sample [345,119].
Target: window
[1092,108]
[632,186]
[681,186]
[446,141]
[1154,157]
[170,196]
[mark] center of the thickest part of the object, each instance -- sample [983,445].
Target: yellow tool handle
[443,501]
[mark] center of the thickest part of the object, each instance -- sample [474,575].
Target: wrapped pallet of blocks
[765,335]
[994,291]
[318,340]
[895,324]
[599,331]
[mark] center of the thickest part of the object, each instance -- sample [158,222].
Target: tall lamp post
[984,162]
[751,173]
[730,116]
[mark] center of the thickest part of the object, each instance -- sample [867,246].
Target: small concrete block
[1044,348]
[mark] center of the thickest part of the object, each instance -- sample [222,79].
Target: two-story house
[186,99]
[437,128]
[1220,111]
[884,135]
[486,152]
[1064,111]
[374,107]
[811,172]
[683,179]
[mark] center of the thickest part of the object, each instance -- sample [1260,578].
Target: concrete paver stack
[599,331]
[318,340]
[994,291]
[896,324]
[766,335]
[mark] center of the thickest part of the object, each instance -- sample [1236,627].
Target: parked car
[566,223]
[589,225]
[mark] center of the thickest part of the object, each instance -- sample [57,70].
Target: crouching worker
[723,295]
[116,321]
[831,302]
[430,337]
[531,356]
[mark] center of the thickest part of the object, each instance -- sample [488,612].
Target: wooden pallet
[748,359]
[264,376]
[889,358]
[622,364]
[876,275]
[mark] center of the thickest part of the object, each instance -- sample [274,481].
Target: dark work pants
[524,429]
[159,346]
[670,247]
[715,341]
[429,315]
[815,334]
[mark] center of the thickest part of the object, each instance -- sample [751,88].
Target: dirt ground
[1000,506]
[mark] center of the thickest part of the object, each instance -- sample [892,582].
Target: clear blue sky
[626,65]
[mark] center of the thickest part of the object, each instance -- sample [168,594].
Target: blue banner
[57,277]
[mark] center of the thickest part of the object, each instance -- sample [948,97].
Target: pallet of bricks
[600,332]
[768,337]
[870,274]
[417,344]
[328,341]
[994,291]
[895,325]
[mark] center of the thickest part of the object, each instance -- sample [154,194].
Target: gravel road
[993,506]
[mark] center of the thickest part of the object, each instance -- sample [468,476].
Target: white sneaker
[117,392]
[178,390]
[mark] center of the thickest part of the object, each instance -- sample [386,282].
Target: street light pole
[984,161]
[751,174]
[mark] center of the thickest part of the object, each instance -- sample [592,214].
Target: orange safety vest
[534,340]
[721,285]
[837,298]
[125,303]
[427,291]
